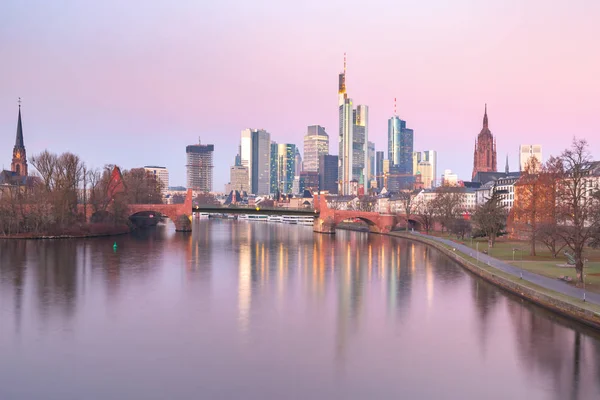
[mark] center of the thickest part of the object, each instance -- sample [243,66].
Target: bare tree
[142,187]
[576,205]
[548,234]
[407,204]
[425,210]
[534,204]
[448,205]
[490,218]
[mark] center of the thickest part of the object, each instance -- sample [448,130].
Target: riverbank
[556,296]
[79,232]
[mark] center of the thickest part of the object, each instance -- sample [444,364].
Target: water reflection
[236,300]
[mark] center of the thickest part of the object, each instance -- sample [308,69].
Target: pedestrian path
[543,281]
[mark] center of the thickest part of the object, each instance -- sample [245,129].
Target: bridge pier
[326,226]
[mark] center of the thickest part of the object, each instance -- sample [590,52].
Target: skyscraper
[316,143]
[298,162]
[400,145]
[425,164]
[353,138]
[371,163]
[526,152]
[328,173]
[484,156]
[256,156]
[360,158]
[379,169]
[200,166]
[283,167]
[238,178]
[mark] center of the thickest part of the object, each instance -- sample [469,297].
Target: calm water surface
[268,311]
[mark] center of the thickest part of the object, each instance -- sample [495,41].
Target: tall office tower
[379,169]
[238,178]
[484,156]
[386,172]
[160,174]
[298,162]
[283,167]
[256,156]
[430,156]
[526,152]
[360,158]
[238,157]
[328,173]
[353,138]
[371,161]
[316,143]
[400,145]
[425,164]
[200,166]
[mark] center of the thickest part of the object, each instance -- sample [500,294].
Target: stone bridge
[328,218]
[180,214]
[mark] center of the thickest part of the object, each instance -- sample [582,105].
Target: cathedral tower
[484,158]
[19,160]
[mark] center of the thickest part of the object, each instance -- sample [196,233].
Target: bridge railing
[225,209]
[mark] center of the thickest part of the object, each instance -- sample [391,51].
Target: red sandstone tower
[484,158]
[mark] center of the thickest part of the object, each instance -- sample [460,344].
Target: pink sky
[133,82]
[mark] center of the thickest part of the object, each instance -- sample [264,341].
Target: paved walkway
[543,281]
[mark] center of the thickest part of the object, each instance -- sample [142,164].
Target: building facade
[371,162]
[353,138]
[484,156]
[283,167]
[328,173]
[379,169]
[238,178]
[316,143]
[256,156]
[400,145]
[309,180]
[425,165]
[160,174]
[526,152]
[200,167]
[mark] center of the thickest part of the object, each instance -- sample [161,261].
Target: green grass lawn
[542,263]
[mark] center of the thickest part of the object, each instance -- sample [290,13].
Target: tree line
[56,197]
[556,204]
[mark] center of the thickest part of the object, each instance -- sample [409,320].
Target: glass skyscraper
[400,146]
[283,167]
[255,151]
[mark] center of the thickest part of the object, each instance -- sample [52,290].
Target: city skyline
[128,96]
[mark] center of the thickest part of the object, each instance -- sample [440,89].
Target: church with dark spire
[18,173]
[484,157]
[19,160]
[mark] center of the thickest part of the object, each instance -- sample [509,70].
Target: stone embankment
[575,308]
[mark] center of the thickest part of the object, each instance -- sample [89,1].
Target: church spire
[485,118]
[19,140]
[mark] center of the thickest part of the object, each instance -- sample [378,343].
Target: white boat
[243,216]
[275,218]
[203,215]
[252,217]
[293,219]
[306,221]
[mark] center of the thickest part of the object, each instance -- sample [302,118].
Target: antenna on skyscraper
[395,113]
[199,140]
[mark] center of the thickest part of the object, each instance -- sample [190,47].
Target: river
[260,310]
